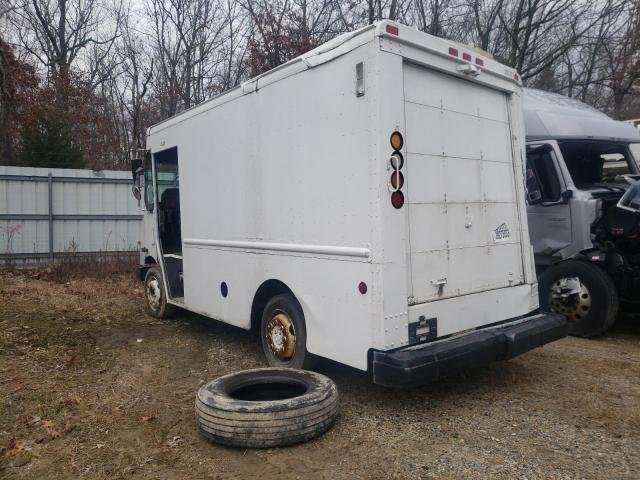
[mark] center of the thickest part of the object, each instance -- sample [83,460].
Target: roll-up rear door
[463,217]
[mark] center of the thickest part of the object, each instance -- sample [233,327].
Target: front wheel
[155,295]
[283,334]
[584,293]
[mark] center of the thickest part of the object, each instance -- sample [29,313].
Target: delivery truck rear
[364,202]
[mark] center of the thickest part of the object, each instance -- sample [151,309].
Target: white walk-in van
[363,202]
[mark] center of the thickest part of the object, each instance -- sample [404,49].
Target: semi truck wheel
[583,292]
[283,333]
[154,294]
[266,407]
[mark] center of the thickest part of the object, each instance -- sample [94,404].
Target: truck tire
[266,407]
[283,334]
[593,310]
[155,295]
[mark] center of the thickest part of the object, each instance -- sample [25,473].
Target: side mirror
[135,166]
[136,192]
[567,195]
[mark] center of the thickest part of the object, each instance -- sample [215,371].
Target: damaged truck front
[580,163]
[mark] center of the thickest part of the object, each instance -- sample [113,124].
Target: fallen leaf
[16,447]
[148,418]
[71,400]
[35,421]
[48,424]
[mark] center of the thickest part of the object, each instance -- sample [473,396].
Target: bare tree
[622,57]
[486,21]
[186,35]
[55,32]
[233,49]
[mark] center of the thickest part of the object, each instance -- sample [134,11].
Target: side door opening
[167,181]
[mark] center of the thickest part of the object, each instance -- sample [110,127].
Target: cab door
[548,207]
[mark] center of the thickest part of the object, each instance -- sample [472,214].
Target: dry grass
[99,265]
[81,398]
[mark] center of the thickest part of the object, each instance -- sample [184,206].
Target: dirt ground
[91,387]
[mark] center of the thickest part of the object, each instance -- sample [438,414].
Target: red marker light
[362,288]
[480,62]
[392,29]
[397,199]
[453,51]
[466,56]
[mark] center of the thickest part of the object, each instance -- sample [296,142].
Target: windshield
[593,163]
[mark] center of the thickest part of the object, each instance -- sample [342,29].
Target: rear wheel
[584,293]
[283,333]
[155,295]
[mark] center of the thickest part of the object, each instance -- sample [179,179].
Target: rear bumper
[421,364]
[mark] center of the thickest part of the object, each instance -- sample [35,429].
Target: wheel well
[148,260]
[265,292]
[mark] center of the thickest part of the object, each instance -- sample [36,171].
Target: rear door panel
[463,218]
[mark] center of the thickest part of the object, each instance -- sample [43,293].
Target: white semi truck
[364,202]
[580,162]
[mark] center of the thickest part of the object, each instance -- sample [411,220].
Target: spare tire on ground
[266,407]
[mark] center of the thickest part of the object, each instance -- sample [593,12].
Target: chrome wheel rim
[573,302]
[153,293]
[281,336]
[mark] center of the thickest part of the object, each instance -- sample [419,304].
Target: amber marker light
[396,141]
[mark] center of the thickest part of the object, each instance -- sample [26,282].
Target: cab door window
[543,182]
[148,184]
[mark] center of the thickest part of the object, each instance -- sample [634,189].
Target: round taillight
[397,199]
[397,180]
[396,161]
[396,141]
[362,288]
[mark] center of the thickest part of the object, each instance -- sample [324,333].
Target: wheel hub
[281,336]
[153,293]
[570,297]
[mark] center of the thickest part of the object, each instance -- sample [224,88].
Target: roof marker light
[392,29]
[466,56]
[453,51]
[480,62]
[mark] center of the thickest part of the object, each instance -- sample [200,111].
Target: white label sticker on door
[501,233]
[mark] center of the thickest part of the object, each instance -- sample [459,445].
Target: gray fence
[46,213]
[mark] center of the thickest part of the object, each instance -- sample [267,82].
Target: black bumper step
[418,365]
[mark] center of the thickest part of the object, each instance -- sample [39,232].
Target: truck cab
[580,163]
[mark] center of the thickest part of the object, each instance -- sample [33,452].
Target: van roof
[344,43]
[549,116]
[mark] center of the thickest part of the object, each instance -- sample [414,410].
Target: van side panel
[286,166]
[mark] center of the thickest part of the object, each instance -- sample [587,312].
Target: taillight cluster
[397,162]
